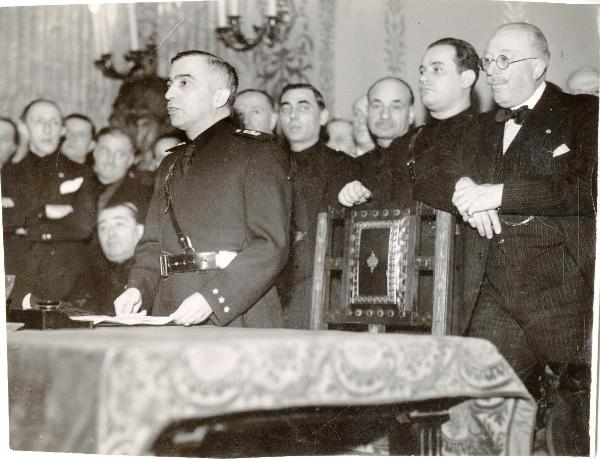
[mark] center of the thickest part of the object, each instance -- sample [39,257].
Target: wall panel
[341,46]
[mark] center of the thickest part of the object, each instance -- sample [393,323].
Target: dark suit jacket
[234,196]
[556,188]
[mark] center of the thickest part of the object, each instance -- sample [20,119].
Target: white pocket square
[560,150]
[71,186]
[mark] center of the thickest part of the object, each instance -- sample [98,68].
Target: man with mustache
[217,230]
[529,170]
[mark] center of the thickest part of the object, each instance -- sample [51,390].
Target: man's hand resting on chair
[354,193]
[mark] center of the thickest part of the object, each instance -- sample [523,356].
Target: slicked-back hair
[134,211]
[393,78]
[38,101]
[538,40]
[82,117]
[318,96]
[466,56]
[220,68]
[169,135]
[15,129]
[259,91]
[114,130]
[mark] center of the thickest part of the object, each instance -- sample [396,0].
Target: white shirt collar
[534,99]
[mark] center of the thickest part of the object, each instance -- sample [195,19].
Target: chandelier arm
[234,38]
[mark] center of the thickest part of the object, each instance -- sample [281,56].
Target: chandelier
[274,29]
[141,63]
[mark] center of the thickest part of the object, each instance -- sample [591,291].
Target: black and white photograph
[270,228]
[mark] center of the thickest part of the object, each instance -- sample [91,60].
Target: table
[111,390]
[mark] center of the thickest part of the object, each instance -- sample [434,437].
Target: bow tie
[519,115]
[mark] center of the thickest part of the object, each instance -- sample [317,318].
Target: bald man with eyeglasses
[528,183]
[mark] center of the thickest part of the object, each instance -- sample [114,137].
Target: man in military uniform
[217,230]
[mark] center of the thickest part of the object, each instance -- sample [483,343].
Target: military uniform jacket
[233,196]
[52,247]
[551,174]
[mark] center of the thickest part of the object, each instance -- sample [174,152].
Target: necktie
[518,115]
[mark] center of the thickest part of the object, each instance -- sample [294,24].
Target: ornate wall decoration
[289,61]
[515,12]
[394,42]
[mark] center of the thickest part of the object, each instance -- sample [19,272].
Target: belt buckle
[206,261]
[164,265]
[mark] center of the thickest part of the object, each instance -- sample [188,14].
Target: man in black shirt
[449,70]
[383,175]
[54,211]
[318,172]
[120,227]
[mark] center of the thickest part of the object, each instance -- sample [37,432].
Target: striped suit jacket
[556,152]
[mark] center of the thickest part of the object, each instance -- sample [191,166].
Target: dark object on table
[47,316]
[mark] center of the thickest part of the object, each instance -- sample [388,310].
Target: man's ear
[132,159]
[273,121]
[539,68]
[139,229]
[467,78]
[92,145]
[63,131]
[411,115]
[221,97]
[324,117]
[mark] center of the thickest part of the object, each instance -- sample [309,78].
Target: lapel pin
[548,131]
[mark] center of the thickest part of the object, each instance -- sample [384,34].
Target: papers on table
[129,319]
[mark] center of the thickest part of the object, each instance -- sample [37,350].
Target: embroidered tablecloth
[112,390]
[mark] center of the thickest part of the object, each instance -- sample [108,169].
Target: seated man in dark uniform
[120,227]
[217,231]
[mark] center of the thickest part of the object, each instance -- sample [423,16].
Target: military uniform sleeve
[267,206]
[569,189]
[145,273]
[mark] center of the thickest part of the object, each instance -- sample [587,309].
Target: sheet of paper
[129,319]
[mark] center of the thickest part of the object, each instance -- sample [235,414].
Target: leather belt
[196,261]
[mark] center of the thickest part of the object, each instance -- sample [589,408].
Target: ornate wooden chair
[394,269]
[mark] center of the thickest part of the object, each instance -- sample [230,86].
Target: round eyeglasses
[502,62]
